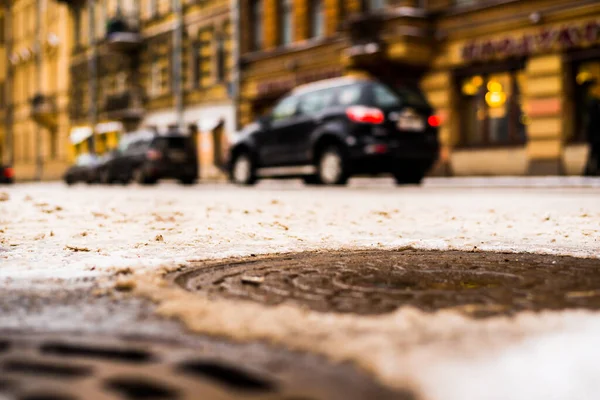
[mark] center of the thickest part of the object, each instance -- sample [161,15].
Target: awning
[110,126]
[208,124]
[79,134]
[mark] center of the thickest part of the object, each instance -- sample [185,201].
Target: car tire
[332,166]
[105,178]
[243,170]
[140,177]
[408,177]
[312,180]
[69,181]
[187,181]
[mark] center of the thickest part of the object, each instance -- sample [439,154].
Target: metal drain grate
[57,367]
[372,282]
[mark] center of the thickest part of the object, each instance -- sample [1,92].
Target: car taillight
[153,155]
[365,115]
[9,173]
[434,121]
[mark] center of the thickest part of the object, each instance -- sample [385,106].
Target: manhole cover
[57,367]
[372,282]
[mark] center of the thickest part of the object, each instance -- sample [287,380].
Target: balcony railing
[364,33]
[126,106]
[123,33]
[44,110]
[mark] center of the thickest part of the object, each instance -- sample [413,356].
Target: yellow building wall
[40,152]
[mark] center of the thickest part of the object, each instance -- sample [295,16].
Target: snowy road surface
[49,232]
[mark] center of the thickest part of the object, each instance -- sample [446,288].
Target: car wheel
[69,181]
[139,177]
[332,167]
[312,180]
[408,177]
[187,181]
[243,170]
[105,177]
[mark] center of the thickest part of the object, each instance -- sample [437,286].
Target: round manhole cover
[373,282]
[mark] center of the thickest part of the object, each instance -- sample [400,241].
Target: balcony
[44,111]
[126,107]
[72,3]
[365,36]
[123,33]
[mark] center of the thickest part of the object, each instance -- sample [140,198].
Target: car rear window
[388,96]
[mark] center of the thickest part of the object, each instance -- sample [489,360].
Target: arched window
[286,24]
[257,24]
[317,18]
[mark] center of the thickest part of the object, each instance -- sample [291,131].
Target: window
[152,8]
[53,144]
[349,95]
[120,82]
[317,101]
[374,5]
[197,64]
[286,24]
[386,96]
[220,58]
[155,79]
[2,30]
[77,26]
[286,108]
[257,25]
[490,110]
[317,18]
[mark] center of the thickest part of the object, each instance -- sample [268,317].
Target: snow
[53,232]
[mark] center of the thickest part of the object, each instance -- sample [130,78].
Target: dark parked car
[146,157]
[82,170]
[328,131]
[7,174]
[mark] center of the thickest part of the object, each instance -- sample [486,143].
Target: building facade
[509,78]
[34,93]
[152,64]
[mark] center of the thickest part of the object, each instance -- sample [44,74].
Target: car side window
[349,95]
[384,97]
[317,101]
[285,109]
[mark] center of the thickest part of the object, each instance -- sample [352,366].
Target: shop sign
[564,37]
[283,85]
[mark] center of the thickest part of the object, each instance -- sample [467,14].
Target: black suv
[145,157]
[327,131]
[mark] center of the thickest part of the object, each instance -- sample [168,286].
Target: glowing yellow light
[583,77]
[494,86]
[477,81]
[469,89]
[495,99]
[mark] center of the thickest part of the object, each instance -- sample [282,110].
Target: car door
[277,129]
[311,110]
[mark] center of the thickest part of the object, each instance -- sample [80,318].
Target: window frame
[485,133]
